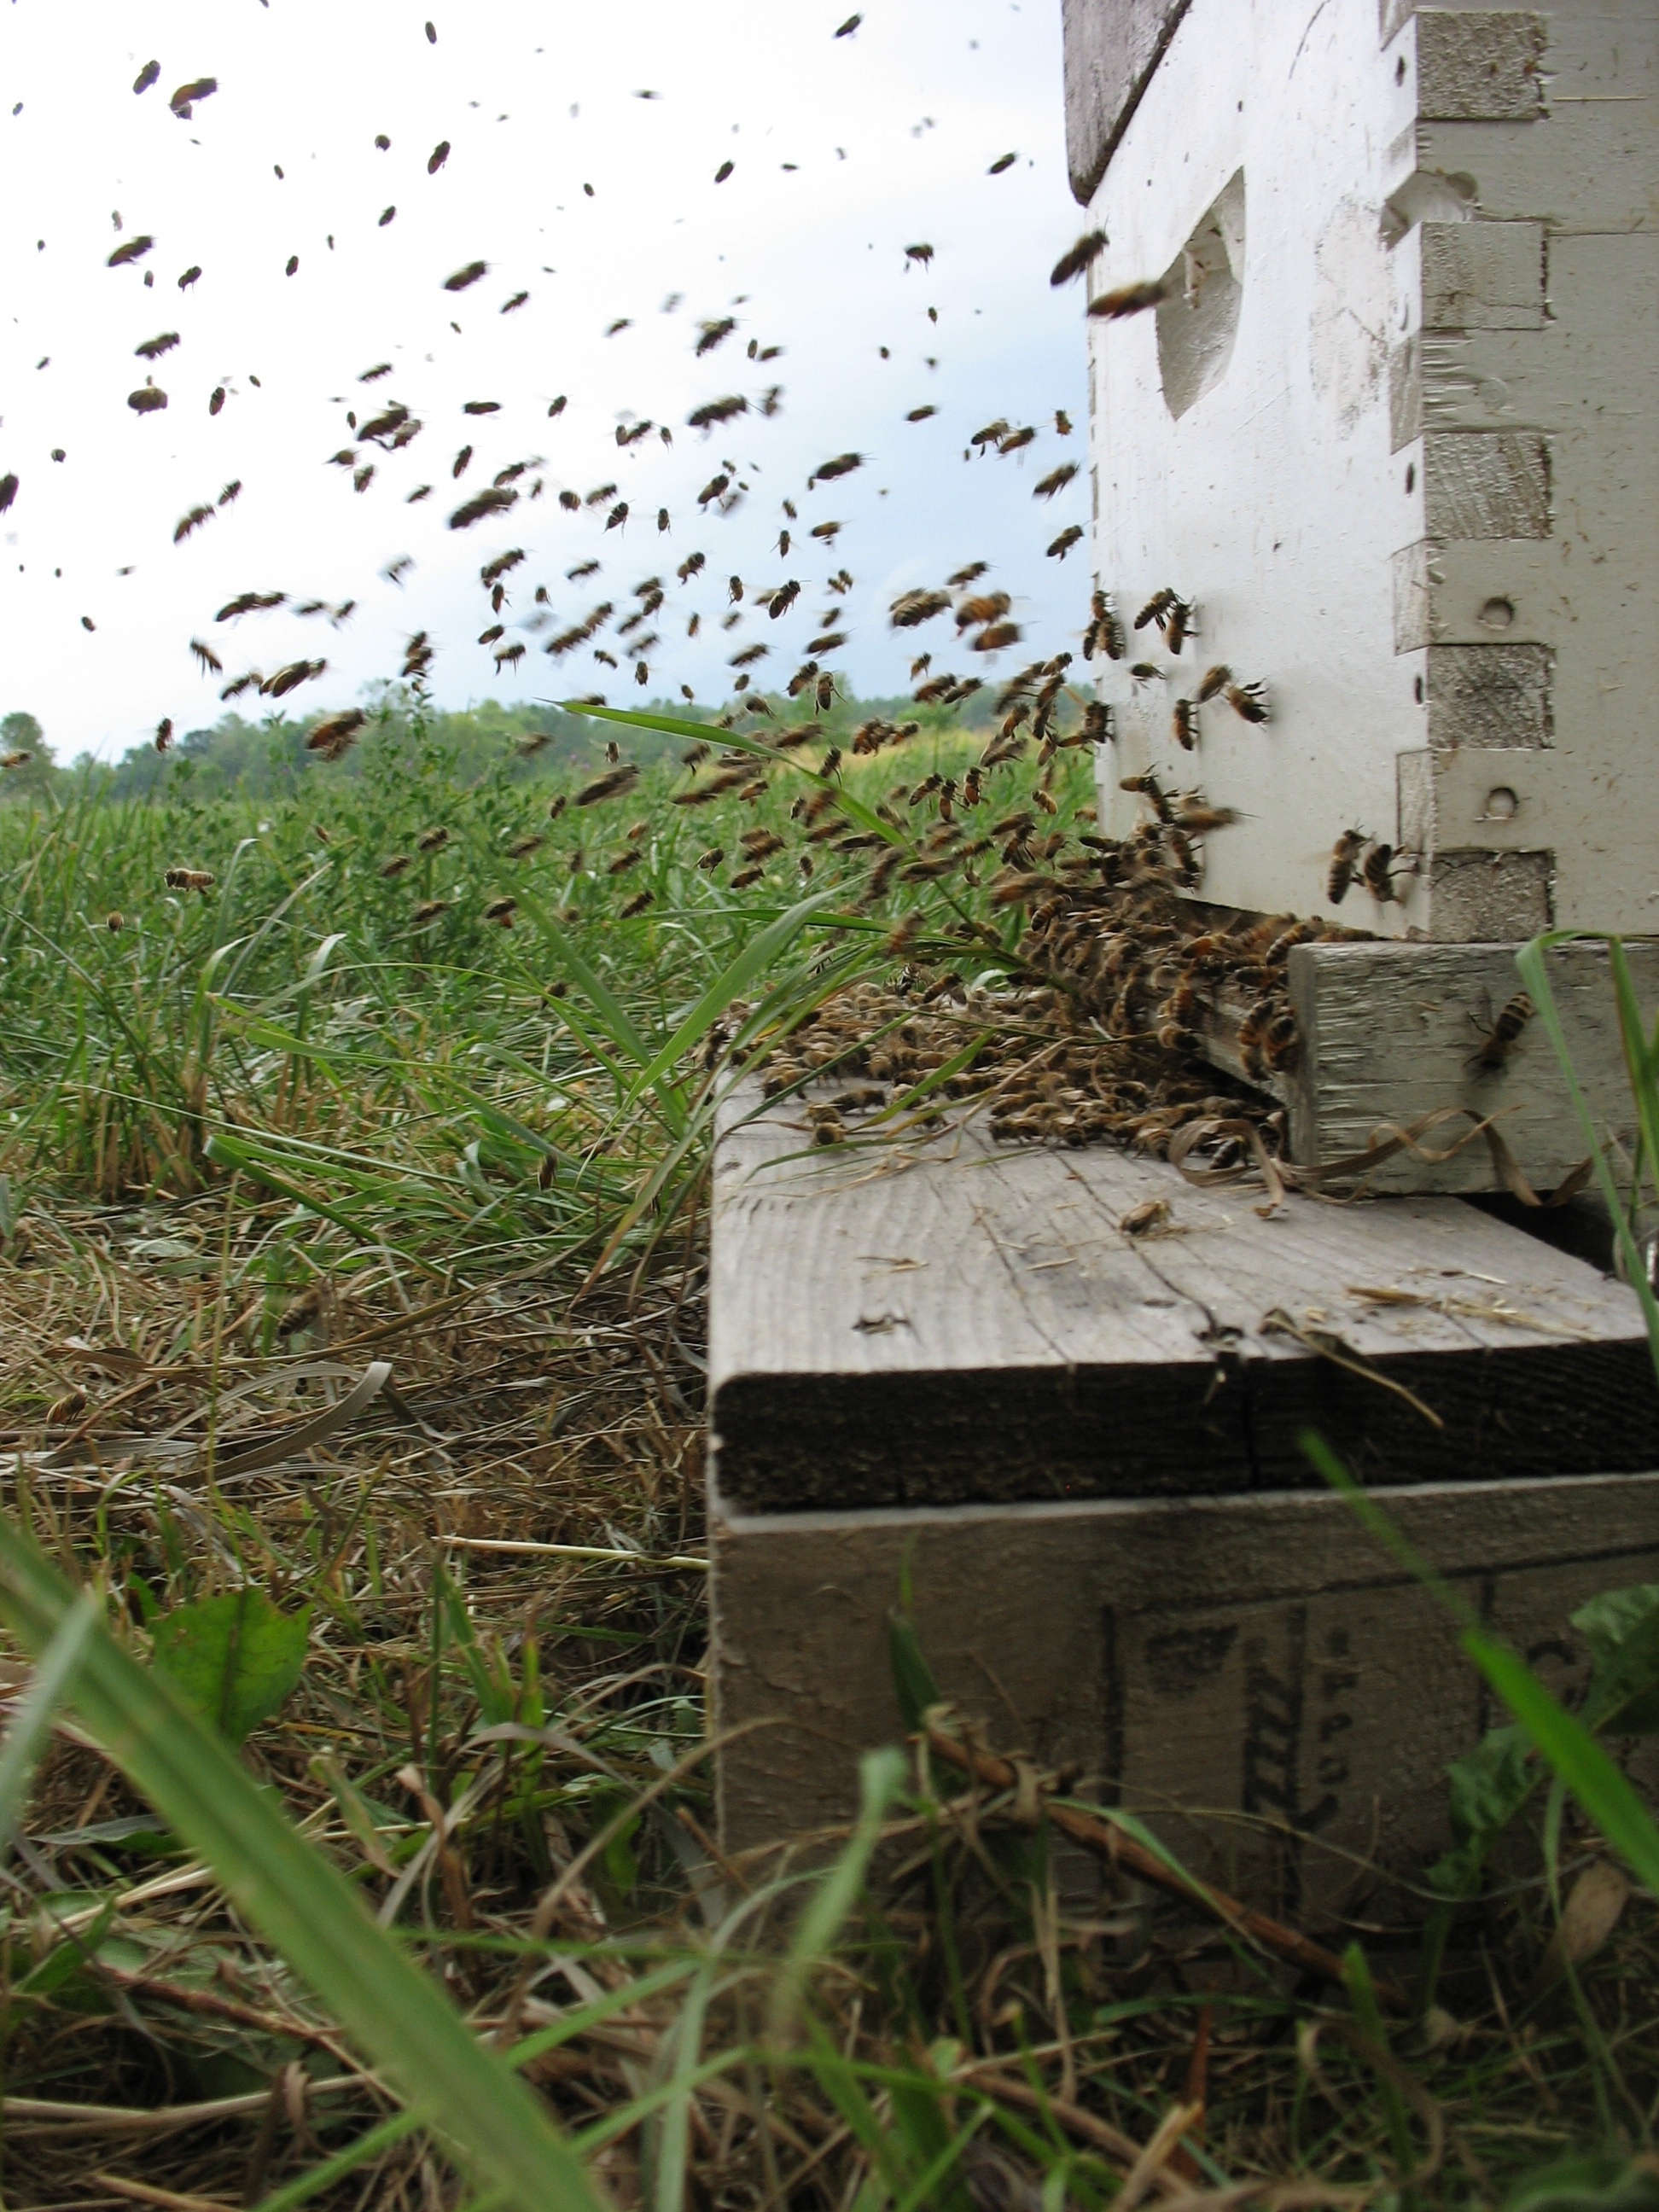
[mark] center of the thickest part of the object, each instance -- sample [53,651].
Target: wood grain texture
[956,1322]
[1483,275]
[1112,47]
[1486,483]
[1256,1656]
[1489,695]
[1389,1031]
[1484,65]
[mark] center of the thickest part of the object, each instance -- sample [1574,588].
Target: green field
[322,1109]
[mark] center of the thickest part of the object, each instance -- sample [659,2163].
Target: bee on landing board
[1500,1039]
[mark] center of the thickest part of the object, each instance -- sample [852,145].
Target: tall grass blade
[1534,971]
[298,1901]
[881,1775]
[29,1731]
[1600,1787]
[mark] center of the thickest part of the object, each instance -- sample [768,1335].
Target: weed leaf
[233,1659]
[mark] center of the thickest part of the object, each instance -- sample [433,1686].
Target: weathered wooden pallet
[1254,1675]
[1084,1438]
[1391,1034]
[956,1322]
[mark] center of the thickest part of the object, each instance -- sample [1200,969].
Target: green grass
[254,1138]
[506,1094]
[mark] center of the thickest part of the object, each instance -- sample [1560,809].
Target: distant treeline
[266,758]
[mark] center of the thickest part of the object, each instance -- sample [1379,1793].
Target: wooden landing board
[1388,1034]
[1254,1674]
[956,1322]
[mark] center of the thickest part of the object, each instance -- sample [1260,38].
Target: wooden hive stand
[1084,1441]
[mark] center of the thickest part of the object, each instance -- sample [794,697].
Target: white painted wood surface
[1430,445]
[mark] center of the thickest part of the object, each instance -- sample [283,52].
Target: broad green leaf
[1622,1629]
[1603,1791]
[233,1659]
[300,1903]
[1487,1788]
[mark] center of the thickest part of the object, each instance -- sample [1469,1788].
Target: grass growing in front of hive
[262,1134]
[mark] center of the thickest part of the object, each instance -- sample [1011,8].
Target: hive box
[1392,432]
[1084,1442]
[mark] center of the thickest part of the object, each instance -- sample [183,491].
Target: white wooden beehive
[1393,434]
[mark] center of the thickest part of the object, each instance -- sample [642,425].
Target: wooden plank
[1486,483]
[1259,1657]
[903,1323]
[1483,65]
[1483,275]
[1112,47]
[1388,1032]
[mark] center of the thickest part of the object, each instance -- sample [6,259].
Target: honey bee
[1500,1040]
[1156,608]
[1344,853]
[1376,868]
[1199,821]
[1247,702]
[709,861]
[1251,1031]
[1187,867]
[557,807]
[428,912]
[1280,946]
[744,876]
[501,911]
[1077,259]
[1127,300]
[637,904]
[432,841]
[612,785]
[1148,787]
[1178,624]
[189,879]
[115,923]
[522,847]
[1213,680]
[1183,724]
[1062,545]
[1151,1213]
[395,865]
[1281,1039]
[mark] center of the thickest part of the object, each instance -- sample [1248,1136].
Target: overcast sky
[845,151]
